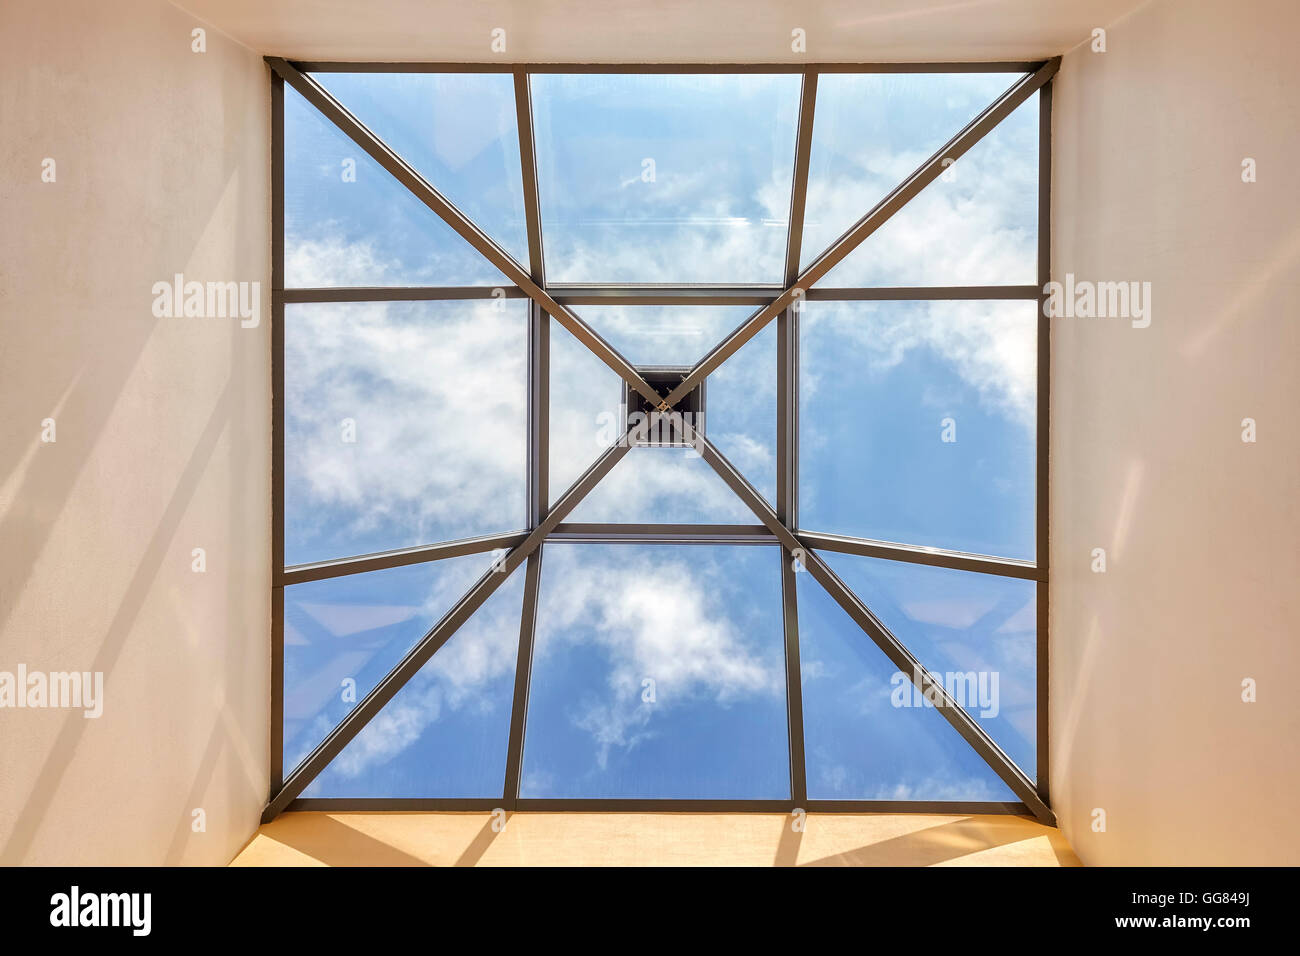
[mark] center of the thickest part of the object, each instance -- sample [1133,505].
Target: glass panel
[740,415]
[976,632]
[446,732]
[584,409]
[917,423]
[664,485]
[871,131]
[667,484]
[658,673]
[458,130]
[977,224]
[405,424]
[665,178]
[348,222]
[342,635]
[678,335]
[865,737]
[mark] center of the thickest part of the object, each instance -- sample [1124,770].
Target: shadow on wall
[548,839]
[162,434]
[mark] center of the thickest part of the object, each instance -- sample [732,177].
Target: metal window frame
[778,526]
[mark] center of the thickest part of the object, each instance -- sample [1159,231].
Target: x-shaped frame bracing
[544,521]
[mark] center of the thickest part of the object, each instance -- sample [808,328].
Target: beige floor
[635,839]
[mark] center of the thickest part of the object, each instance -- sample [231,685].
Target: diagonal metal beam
[523,676]
[528,165]
[893,648]
[799,188]
[425,648]
[949,709]
[925,174]
[406,174]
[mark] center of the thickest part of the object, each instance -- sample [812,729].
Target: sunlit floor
[653,839]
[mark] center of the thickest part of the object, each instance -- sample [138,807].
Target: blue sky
[705,627]
[435,394]
[426,385]
[879,383]
[713,206]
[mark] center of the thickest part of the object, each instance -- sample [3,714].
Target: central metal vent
[657,429]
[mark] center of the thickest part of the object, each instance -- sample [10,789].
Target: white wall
[631,31]
[1202,531]
[162,428]
[163,424]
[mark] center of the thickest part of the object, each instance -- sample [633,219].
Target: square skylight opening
[664,429]
[835,435]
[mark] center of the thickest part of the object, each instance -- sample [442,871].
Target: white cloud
[672,619]
[482,650]
[751,456]
[437,394]
[331,261]
[705,245]
[991,345]
[673,625]
[974,226]
[949,612]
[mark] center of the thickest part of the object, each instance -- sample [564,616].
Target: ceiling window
[653,438]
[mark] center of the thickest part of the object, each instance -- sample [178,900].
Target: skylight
[824,592]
